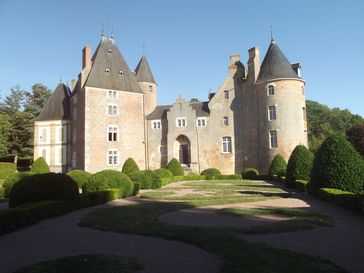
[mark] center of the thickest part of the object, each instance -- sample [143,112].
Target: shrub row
[303,186]
[7,166]
[342,198]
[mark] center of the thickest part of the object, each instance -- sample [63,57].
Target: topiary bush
[11,180]
[299,165]
[250,173]
[211,173]
[278,166]
[79,176]
[175,167]
[109,179]
[163,173]
[338,165]
[130,166]
[147,179]
[41,187]
[40,166]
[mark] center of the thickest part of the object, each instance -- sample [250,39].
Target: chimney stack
[253,64]
[233,63]
[86,57]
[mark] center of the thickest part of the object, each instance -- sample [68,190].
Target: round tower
[147,83]
[281,107]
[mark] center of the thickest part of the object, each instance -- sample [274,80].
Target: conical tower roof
[275,66]
[57,106]
[143,71]
[109,69]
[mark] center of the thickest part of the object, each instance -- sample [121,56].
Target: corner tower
[281,107]
[145,79]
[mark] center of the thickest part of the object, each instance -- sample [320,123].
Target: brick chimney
[86,57]
[253,64]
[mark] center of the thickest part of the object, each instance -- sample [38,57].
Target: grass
[301,219]
[237,255]
[92,263]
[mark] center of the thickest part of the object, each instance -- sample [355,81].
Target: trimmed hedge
[302,185]
[229,176]
[194,176]
[41,187]
[4,174]
[299,165]
[168,180]
[175,167]
[163,173]
[12,180]
[211,173]
[148,179]
[136,188]
[250,173]
[7,166]
[341,198]
[109,179]
[2,192]
[28,214]
[338,165]
[40,166]
[278,166]
[79,176]
[130,166]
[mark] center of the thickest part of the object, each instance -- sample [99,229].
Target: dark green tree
[5,126]
[278,166]
[356,137]
[299,165]
[21,134]
[338,165]
[37,98]
[14,102]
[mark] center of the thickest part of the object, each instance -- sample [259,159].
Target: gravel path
[61,236]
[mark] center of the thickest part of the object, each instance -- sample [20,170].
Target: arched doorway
[183,149]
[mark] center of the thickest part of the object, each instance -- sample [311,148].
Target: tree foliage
[356,137]
[323,122]
[278,166]
[299,165]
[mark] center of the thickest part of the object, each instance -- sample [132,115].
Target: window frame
[226,94]
[269,86]
[272,114]
[226,142]
[113,107]
[273,139]
[225,121]
[183,122]
[201,120]
[114,131]
[158,124]
[114,153]
[114,95]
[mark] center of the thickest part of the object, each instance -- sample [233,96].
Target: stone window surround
[112,154]
[44,134]
[183,122]
[226,145]
[201,122]
[226,95]
[225,121]
[272,112]
[273,139]
[112,95]
[114,111]
[150,89]
[114,131]
[156,124]
[269,93]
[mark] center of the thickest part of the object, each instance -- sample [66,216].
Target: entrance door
[183,154]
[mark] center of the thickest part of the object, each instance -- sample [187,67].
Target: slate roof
[275,66]
[109,69]
[57,106]
[143,71]
[160,112]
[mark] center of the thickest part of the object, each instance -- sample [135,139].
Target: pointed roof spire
[102,30]
[271,35]
[275,66]
[143,71]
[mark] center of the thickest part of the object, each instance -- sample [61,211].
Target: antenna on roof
[271,35]
[143,49]
[102,30]
[60,78]
[112,33]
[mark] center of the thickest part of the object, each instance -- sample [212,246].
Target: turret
[281,108]
[146,81]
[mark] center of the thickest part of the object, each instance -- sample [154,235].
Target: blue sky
[188,42]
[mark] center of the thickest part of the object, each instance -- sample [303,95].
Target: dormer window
[150,89]
[110,51]
[121,72]
[107,70]
[226,95]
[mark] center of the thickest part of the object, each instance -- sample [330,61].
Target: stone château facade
[111,114]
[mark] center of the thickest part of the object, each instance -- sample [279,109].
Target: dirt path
[61,236]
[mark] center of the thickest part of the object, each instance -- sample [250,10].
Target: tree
[337,165]
[299,165]
[14,102]
[278,166]
[37,98]
[130,167]
[356,137]
[175,167]
[5,126]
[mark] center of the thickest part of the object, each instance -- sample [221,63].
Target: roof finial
[143,49]
[60,78]
[271,35]
[112,33]
[102,30]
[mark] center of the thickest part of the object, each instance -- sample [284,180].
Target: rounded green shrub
[130,166]
[79,176]
[12,179]
[109,179]
[163,173]
[278,166]
[175,167]
[40,166]
[338,165]
[42,187]
[211,173]
[299,165]
[250,173]
[193,176]
[147,179]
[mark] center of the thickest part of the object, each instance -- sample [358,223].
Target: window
[73,159]
[226,95]
[272,114]
[273,139]
[112,133]
[112,157]
[110,51]
[162,149]
[270,90]
[181,122]
[112,110]
[226,121]
[156,124]
[107,70]
[226,145]
[201,122]
[150,89]
[112,95]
